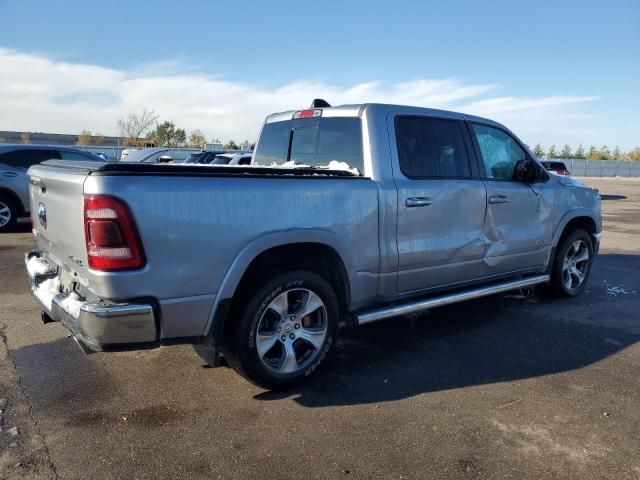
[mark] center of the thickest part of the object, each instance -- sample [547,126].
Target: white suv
[15,160]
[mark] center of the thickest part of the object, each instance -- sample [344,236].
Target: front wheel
[286,329]
[572,264]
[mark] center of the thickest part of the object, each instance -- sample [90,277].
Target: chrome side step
[425,304]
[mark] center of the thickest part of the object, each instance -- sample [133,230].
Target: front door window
[500,152]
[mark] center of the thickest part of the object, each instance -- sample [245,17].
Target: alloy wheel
[291,331]
[575,265]
[5,214]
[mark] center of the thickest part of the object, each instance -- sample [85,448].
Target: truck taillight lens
[112,239]
[307,113]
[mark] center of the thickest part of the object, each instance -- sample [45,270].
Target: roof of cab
[381,108]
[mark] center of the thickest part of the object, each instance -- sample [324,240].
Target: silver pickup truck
[347,215]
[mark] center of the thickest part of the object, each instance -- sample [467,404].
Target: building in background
[214,147]
[56,139]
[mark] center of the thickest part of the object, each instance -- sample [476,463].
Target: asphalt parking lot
[516,386]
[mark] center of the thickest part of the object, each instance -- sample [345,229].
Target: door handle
[418,202]
[498,199]
[9,174]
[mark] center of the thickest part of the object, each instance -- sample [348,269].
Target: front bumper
[97,326]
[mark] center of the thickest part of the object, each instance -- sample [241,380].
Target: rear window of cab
[313,142]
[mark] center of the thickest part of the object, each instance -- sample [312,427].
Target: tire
[572,264]
[8,214]
[285,329]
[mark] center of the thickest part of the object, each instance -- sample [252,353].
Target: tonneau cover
[124,168]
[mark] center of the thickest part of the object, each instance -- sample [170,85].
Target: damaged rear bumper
[96,326]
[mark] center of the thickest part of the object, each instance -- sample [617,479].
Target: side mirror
[165,159]
[525,171]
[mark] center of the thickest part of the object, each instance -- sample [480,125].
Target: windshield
[313,142]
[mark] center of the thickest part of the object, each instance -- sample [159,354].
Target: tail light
[112,239]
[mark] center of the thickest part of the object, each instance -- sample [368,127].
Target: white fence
[601,168]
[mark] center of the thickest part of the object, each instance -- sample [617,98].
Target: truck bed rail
[168,169]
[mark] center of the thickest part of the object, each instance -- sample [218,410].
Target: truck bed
[198,224]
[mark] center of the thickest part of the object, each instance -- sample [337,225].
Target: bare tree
[633,154]
[196,139]
[84,138]
[134,125]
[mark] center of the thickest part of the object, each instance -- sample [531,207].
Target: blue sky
[554,71]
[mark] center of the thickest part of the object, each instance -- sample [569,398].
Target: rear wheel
[572,264]
[285,330]
[8,214]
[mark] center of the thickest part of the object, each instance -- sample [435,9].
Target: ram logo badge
[42,215]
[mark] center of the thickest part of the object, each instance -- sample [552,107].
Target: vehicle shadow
[60,379]
[496,339]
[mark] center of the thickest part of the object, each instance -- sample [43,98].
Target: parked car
[202,157]
[232,159]
[371,212]
[14,162]
[556,167]
[125,153]
[148,155]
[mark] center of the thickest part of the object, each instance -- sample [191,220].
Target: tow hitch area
[94,326]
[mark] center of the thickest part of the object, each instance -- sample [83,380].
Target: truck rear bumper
[96,326]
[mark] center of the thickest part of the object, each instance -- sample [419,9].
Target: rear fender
[276,239]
